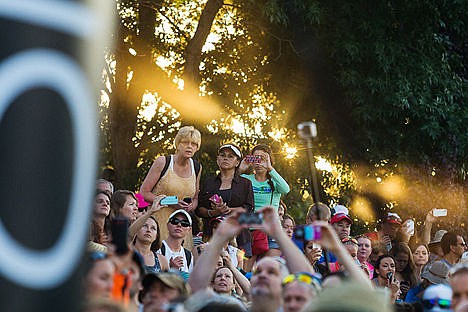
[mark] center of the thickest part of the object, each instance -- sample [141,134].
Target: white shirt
[173,254]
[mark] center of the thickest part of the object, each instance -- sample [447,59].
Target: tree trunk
[126,99]
[193,51]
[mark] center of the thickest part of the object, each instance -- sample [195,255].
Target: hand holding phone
[250,218]
[169,200]
[216,199]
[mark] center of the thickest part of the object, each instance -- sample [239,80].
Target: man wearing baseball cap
[341,221]
[389,227]
[160,289]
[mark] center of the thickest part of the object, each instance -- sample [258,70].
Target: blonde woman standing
[176,175]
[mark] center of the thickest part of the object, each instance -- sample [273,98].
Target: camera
[307,130]
[308,232]
[250,218]
[254,159]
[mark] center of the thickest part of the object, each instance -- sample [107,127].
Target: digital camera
[308,232]
[250,218]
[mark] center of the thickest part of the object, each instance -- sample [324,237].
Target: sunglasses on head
[307,278]
[183,223]
[442,303]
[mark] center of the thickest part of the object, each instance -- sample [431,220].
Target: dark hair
[156,245]
[118,200]
[97,232]
[449,239]
[137,258]
[379,260]
[287,216]
[265,148]
[409,272]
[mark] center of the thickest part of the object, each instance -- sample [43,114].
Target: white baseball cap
[181,211]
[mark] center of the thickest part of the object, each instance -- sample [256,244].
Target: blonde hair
[190,133]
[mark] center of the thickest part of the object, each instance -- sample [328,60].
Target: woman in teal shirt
[268,186]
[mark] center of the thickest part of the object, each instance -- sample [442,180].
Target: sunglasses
[304,277]
[183,223]
[142,209]
[442,303]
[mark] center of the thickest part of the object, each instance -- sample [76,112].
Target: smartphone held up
[308,232]
[439,212]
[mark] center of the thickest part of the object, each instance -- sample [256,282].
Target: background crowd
[227,242]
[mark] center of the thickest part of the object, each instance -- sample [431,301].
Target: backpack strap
[196,166]
[166,165]
[188,256]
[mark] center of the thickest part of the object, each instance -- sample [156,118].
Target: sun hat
[438,237]
[141,201]
[181,211]
[436,273]
[169,279]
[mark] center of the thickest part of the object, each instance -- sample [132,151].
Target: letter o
[57,71]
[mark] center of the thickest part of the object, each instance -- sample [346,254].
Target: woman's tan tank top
[173,185]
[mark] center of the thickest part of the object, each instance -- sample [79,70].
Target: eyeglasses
[142,209]
[183,223]
[303,277]
[442,303]
[462,244]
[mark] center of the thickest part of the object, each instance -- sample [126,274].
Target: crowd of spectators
[227,243]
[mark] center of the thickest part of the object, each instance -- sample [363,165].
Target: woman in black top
[232,192]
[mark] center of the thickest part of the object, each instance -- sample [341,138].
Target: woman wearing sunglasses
[179,258]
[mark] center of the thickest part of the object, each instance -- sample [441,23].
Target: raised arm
[240,278]
[295,259]
[329,240]
[427,228]
[201,275]
[136,226]
[280,183]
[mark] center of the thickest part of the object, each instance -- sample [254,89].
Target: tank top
[154,268]
[171,184]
